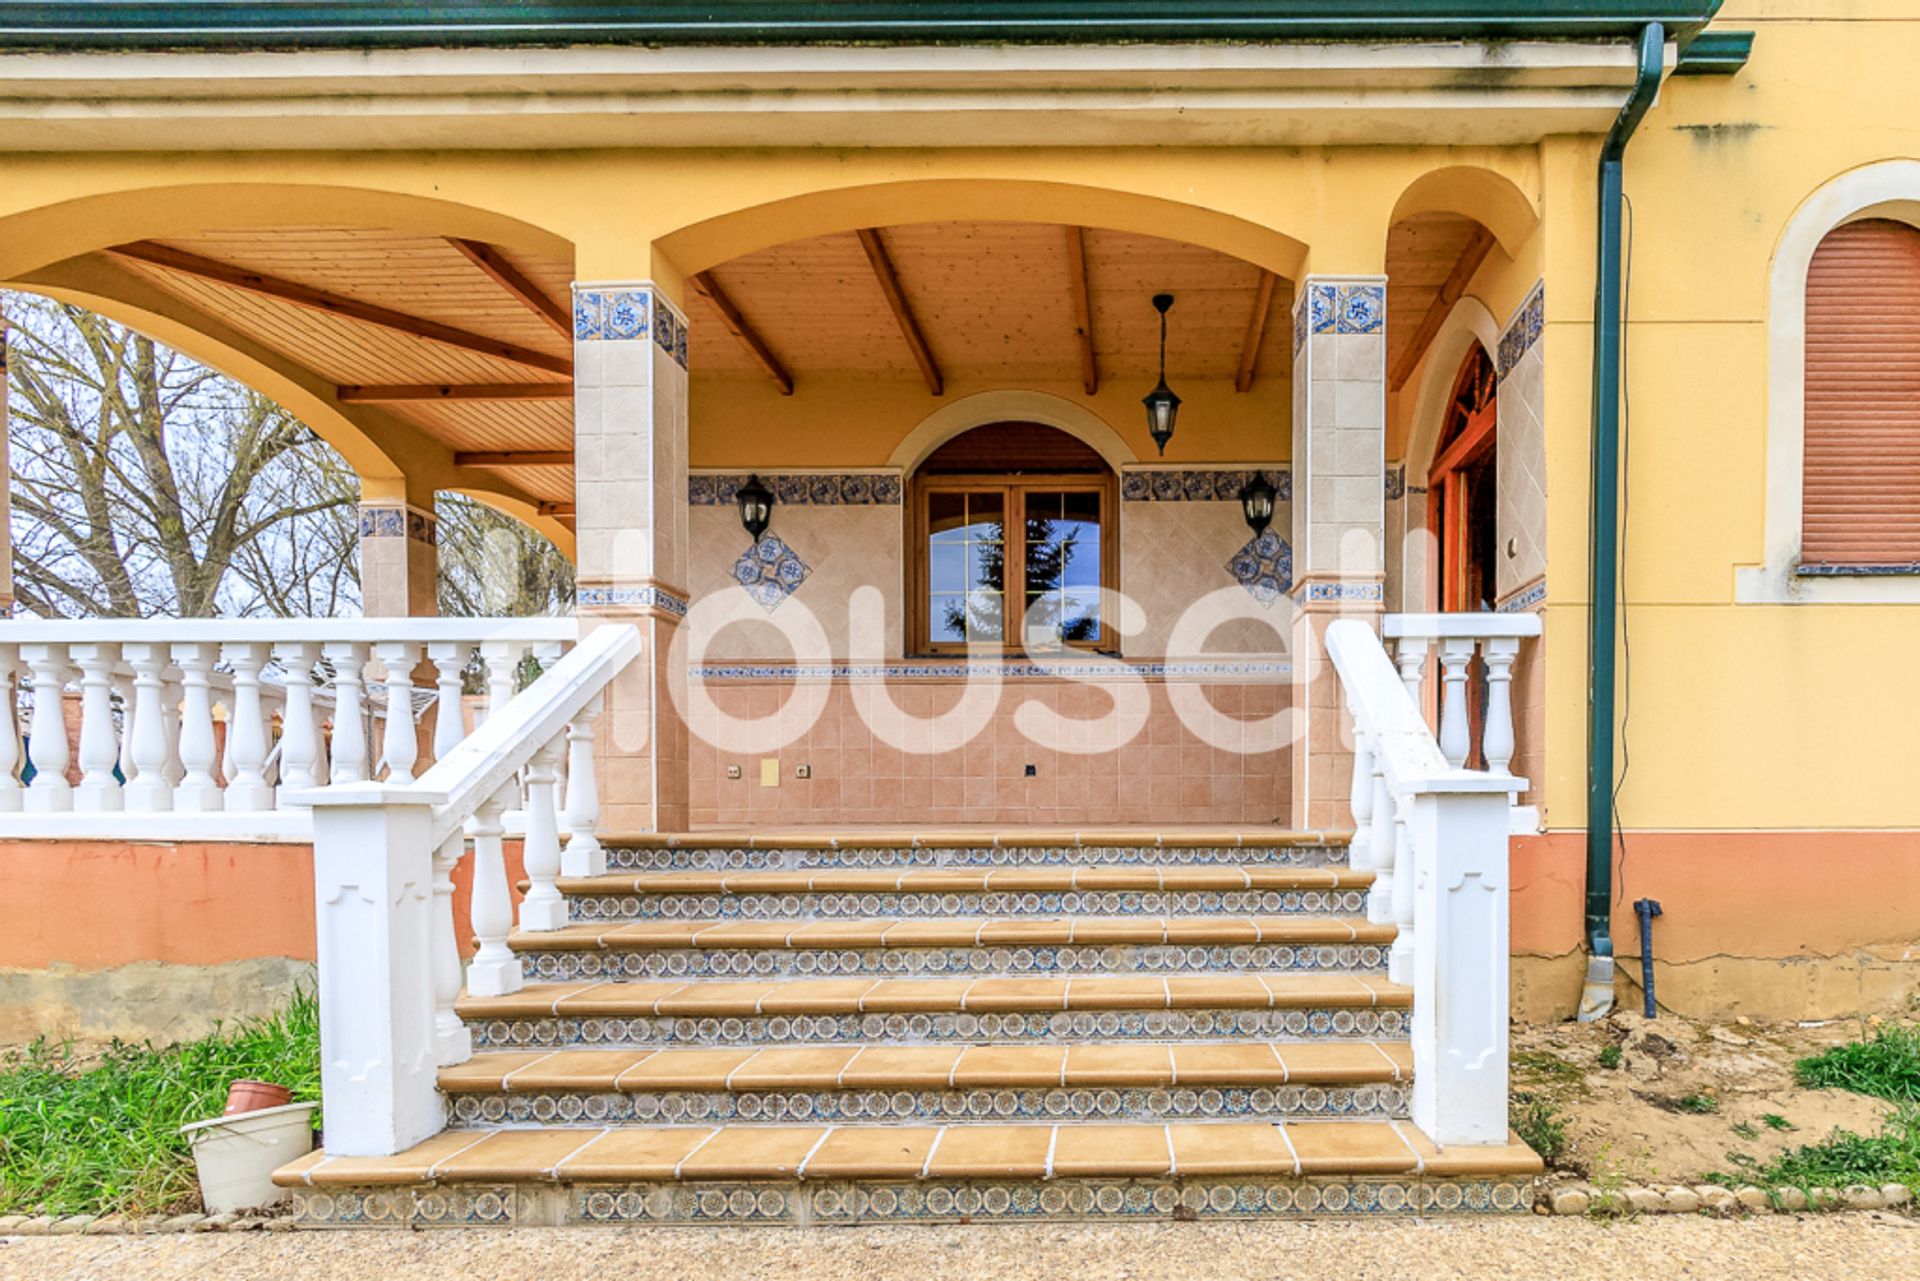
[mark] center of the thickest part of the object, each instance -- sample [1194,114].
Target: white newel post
[197,792]
[584,855]
[47,731]
[494,969]
[99,790]
[543,908]
[9,734]
[247,787]
[452,1039]
[373,893]
[1460,988]
[148,789]
[1456,735]
[349,745]
[299,735]
[400,747]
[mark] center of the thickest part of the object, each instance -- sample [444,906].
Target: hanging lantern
[756,507]
[1256,503]
[1163,407]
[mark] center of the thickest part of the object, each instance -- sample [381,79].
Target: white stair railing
[148,694]
[1442,832]
[383,858]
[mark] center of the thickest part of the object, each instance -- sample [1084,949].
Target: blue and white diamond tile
[1320,308]
[1264,567]
[626,314]
[589,314]
[1363,309]
[770,571]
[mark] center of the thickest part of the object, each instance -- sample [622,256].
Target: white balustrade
[494,969]
[1443,831]
[543,908]
[151,693]
[1495,640]
[584,855]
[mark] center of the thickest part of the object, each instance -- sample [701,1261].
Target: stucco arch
[38,237]
[703,245]
[1468,323]
[1010,405]
[1489,198]
[526,513]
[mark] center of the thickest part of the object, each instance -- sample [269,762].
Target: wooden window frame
[1013,490]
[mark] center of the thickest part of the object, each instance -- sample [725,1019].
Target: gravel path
[1859,1247]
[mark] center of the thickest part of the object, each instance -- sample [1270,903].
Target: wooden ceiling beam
[707,287]
[1256,331]
[395,393]
[889,279]
[514,458]
[1082,308]
[559,511]
[191,264]
[1475,253]
[508,277]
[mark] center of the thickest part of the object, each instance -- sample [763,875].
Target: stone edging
[1711,1198]
[47,1225]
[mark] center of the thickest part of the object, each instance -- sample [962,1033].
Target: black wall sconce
[1163,407]
[1256,503]
[756,507]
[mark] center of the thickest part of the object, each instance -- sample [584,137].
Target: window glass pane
[946,567]
[1063,564]
[966,566]
[985,612]
[1080,614]
[1080,531]
[947,619]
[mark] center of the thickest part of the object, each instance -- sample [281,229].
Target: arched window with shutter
[1860,480]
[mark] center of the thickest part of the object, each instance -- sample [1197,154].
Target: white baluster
[1456,736]
[1380,841]
[400,746]
[449,721]
[494,969]
[1400,957]
[171,696]
[1496,743]
[299,740]
[542,909]
[1410,653]
[349,744]
[10,800]
[197,792]
[148,789]
[583,855]
[1360,792]
[47,732]
[452,1039]
[99,790]
[503,664]
[247,787]
[123,690]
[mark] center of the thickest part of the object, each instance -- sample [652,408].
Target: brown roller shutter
[1861,495]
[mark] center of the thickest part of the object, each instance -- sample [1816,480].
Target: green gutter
[291,24]
[1604,566]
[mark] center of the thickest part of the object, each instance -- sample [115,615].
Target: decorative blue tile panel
[1524,599]
[1524,330]
[840,489]
[1182,485]
[770,571]
[647,597]
[589,315]
[625,315]
[1362,309]
[383,522]
[1363,593]
[1264,567]
[1090,668]
[1322,302]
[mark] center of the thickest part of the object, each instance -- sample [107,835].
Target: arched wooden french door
[1462,503]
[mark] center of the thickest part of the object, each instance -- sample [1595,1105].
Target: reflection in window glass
[966,567]
[1062,570]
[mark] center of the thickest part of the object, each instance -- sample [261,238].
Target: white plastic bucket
[237,1155]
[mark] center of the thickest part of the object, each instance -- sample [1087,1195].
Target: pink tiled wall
[1165,775]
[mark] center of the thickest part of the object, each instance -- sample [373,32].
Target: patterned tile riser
[1047,1028]
[718,963]
[640,859]
[943,1107]
[751,907]
[934,1201]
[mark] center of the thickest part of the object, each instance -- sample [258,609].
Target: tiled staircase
[809,1029]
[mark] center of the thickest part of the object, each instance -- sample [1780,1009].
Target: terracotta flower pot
[251,1096]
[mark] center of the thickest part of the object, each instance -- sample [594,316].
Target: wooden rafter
[1471,257]
[889,279]
[1082,307]
[508,277]
[1256,331]
[707,287]
[191,264]
[392,393]
[514,458]
[559,511]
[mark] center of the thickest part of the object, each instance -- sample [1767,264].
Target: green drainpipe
[1604,567]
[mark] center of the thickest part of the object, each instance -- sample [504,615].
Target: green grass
[1887,1066]
[1746,1130]
[1891,1156]
[1699,1104]
[1609,1057]
[100,1134]
[1774,1121]
[1539,1124]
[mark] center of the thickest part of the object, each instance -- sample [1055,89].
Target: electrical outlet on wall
[733,771]
[803,771]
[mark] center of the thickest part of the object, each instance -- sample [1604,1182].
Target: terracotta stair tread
[953,932]
[638,1154]
[870,995]
[966,880]
[979,837]
[888,1067]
